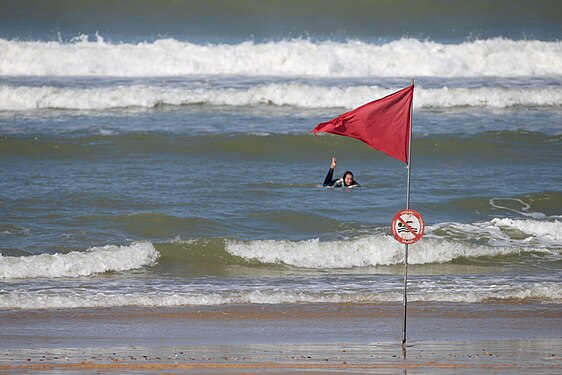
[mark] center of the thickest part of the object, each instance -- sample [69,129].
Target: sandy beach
[316,338]
[166,207]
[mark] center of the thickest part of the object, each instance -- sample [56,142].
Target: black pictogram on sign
[407,226]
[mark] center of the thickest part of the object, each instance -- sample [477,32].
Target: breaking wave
[497,57]
[547,292]
[497,241]
[25,98]
[74,264]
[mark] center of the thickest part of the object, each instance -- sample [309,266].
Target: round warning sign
[407,226]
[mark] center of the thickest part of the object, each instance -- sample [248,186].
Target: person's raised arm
[330,176]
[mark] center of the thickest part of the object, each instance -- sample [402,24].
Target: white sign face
[407,226]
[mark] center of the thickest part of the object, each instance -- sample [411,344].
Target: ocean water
[156,154]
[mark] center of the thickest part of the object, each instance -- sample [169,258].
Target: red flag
[383,124]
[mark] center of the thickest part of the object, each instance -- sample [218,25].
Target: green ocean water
[229,20]
[162,155]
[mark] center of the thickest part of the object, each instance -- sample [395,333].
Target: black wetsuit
[330,182]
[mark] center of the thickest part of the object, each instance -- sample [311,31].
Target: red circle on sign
[407,226]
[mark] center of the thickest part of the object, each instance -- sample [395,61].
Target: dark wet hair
[352,180]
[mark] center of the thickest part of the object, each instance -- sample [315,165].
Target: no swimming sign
[407,226]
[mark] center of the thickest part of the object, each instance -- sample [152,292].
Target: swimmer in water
[346,181]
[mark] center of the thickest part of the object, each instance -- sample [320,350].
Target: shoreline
[278,324]
[442,338]
[525,356]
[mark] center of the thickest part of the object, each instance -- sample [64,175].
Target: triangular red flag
[383,124]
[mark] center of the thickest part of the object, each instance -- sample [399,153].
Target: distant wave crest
[406,57]
[25,98]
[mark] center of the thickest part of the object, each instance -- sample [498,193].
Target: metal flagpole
[407,207]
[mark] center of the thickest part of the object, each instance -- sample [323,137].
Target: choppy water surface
[180,169]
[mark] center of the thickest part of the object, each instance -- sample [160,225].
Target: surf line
[385,125]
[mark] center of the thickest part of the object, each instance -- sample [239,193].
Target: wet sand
[316,338]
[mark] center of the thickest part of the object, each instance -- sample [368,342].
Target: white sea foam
[443,242]
[524,208]
[504,232]
[169,57]
[74,264]
[362,252]
[545,291]
[548,232]
[24,98]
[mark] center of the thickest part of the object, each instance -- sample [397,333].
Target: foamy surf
[550,233]
[443,243]
[504,232]
[369,251]
[496,57]
[74,264]
[22,98]
[421,290]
